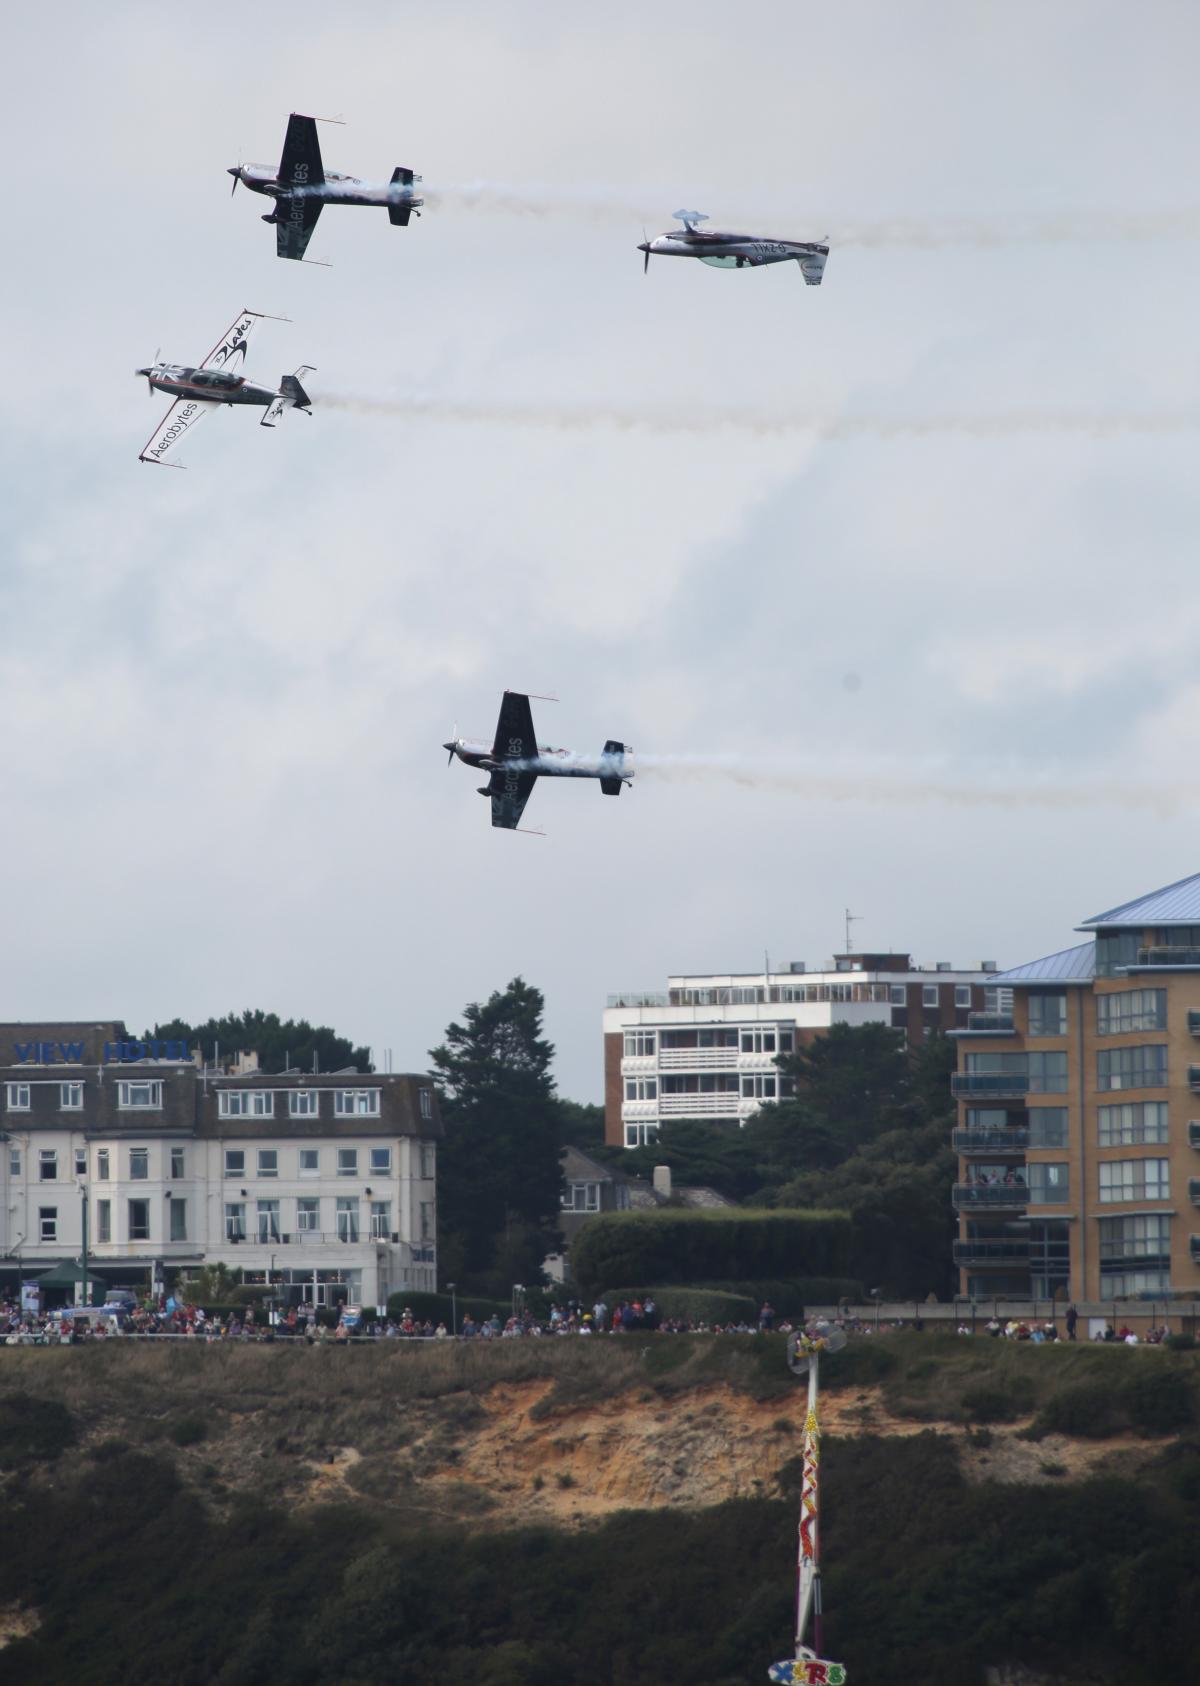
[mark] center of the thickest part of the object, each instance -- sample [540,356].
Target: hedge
[679,1247]
[439,1308]
[692,1305]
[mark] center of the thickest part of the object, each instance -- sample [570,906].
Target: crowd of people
[1018,1329]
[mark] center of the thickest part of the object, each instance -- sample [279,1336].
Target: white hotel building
[706,1047]
[324,1185]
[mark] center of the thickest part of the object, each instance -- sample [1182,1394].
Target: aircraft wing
[812,264]
[230,350]
[514,730]
[301,165]
[184,413]
[509,791]
[295,219]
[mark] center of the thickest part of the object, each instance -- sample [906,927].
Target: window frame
[66,1090]
[308,1206]
[1114,1191]
[48,1165]
[313,1170]
[139,1156]
[47,1223]
[346,1103]
[126,1088]
[267,1164]
[350,1169]
[103,1222]
[137,1200]
[234,1153]
[304,1103]
[13,1094]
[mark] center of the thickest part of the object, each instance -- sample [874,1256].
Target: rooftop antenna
[851,919]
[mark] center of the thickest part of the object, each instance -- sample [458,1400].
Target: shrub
[681,1246]
[695,1305]
[1158,1399]
[862,1363]
[32,1429]
[995,1403]
[188,1431]
[1181,1343]
[1090,1410]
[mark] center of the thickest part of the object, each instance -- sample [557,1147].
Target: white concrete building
[706,1047]
[322,1184]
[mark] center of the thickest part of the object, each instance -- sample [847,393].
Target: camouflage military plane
[300,185]
[734,251]
[515,761]
[218,380]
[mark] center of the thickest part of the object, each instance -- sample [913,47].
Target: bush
[692,1305]
[683,1247]
[995,1403]
[862,1363]
[1158,1399]
[32,1429]
[1089,1410]
[1181,1343]
[188,1431]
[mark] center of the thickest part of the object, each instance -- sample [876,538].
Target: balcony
[697,1059]
[1194,1245]
[990,1084]
[982,1253]
[994,1024]
[1193,1077]
[1194,1132]
[726,1104]
[967,1197]
[639,998]
[1015,1140]
[1168,956]
[1194,1190]
[1193,1022]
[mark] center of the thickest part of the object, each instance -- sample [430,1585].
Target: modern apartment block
[1079,1115]
[706,1047]
[322,1184]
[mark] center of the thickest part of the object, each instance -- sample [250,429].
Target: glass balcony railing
[996,1022]
[999,1140]
[1194,1132]
[1194,1022]
[1194,1190]
[1168,956]
[990,1252]
[994,1083]
[968,1196]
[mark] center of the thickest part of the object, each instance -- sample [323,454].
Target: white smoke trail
[867,787]
[704,419]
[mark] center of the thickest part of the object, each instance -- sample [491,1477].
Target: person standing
[1072,1320]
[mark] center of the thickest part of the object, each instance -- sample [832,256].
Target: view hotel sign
[115,1053]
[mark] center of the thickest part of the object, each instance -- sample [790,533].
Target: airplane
[515,761]
[734,251]
[300,185]
[216,381]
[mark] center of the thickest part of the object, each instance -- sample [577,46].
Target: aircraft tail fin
[400,209]
[612,786]
[291,389]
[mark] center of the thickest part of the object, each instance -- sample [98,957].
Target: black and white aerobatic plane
[216,381]
[300,185]
[734,251]
[515,761]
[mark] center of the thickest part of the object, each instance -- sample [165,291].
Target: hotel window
[426,1220]
[929,995]
[268,1220]
[347,1219]
[1135,1255]
[1135,1179]
[1131,1009]
[139,1220]
[235,1221]
[14,1162]
[1049,1185]
[1133,1123]
[426,1103]
[177,1229]
[246,1103]
[962,995]
[139,1097]
[640,1044]
[381,1161]
[139,1164]
[356,1103]
[759,1088]
[304,1103]
[381,1220]
[70,1097]
[581,1197]
[81,1161]
[103,1220]
[177,1168]
[1048,1013]
[308,1216]
[347,1164]
[758,1042]
[1048,1126]
[641,1088]
[1047,1074]
[310,1161]
[1144,1067]
[18,1096]
[47,1165]
[640,1135]
[235,1162]
[47,1223]
[268,1162]
[101,1164]
[428,1161]
[898,995]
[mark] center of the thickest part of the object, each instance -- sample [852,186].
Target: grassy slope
[133,1484]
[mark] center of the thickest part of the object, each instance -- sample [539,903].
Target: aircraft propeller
[452,745]
[154,365]
[646,250]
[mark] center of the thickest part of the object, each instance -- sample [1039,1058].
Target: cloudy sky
[911,556]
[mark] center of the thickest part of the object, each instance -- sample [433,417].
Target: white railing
[697,1059]
[636,1111]
[695,1106]
[639,1065]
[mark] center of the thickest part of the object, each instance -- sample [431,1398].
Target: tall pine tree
[499,1180]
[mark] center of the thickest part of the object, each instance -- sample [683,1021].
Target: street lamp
[453,1307]
[83,1197]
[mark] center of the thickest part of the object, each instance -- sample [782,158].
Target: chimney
[662,1181]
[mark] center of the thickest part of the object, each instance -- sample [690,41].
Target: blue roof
[1176,904]
[1069,965]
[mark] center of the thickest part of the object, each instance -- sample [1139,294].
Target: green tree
[700,1155]
[499,1179]
[581,1125]
[279,1043]
[857,1079]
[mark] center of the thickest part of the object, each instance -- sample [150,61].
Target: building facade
[324,1185]
[1078,1126]
[706,1047]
